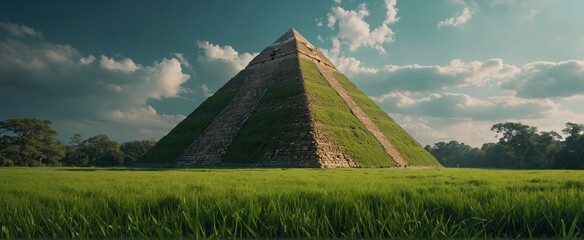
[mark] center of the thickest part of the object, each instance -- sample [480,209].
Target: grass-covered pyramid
[289,107]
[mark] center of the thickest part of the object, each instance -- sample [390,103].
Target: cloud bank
[549,79]
[56,81]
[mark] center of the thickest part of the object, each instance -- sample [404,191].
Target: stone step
[330,77]
[210,147]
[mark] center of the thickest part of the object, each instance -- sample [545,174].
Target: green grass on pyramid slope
[179,138]
[261,131]
[329,109]
[282,91]
[259,134]
[410,149]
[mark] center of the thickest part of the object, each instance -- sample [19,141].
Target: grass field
[306,203]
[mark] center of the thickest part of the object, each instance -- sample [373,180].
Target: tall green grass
[294,203]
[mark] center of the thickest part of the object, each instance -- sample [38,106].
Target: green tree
[4,158]
[572,153]
[519,139]
[520,146]
[573,130]
[29,142]
[133,150]
[102,151]
[548,147]
[455,154]
[497,155]
[74,154]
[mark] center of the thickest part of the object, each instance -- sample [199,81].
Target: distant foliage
[133,150]
[29,142]
[32,142]
[100,150]
[520,146]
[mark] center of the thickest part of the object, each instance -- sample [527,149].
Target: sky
[444,70]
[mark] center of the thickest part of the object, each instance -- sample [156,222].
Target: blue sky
[443,69]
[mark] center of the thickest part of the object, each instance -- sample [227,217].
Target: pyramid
[289,107]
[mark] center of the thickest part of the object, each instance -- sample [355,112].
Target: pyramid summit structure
[289,107]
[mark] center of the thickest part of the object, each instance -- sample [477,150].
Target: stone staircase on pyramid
[210,147]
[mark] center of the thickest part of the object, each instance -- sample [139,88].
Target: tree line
[519,147]
[32,142]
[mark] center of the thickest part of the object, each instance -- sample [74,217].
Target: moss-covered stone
[256,137]
[189,129]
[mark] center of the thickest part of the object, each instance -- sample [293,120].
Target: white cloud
[459,20]
[355,32]
[391,14]
[336,50]
[331,20]
[125,65]
[19,30]
[543,79]
[319,22]
[450,116]
[183,61]
[147,116]
[17,54]
[347,65]
[429,130]
[55,81]
[463,106]
[206,91]
[222,61]
[421,78]
[162,80]
[420,131]
[87,60]
[353,65]
[337,1]
[55,56]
